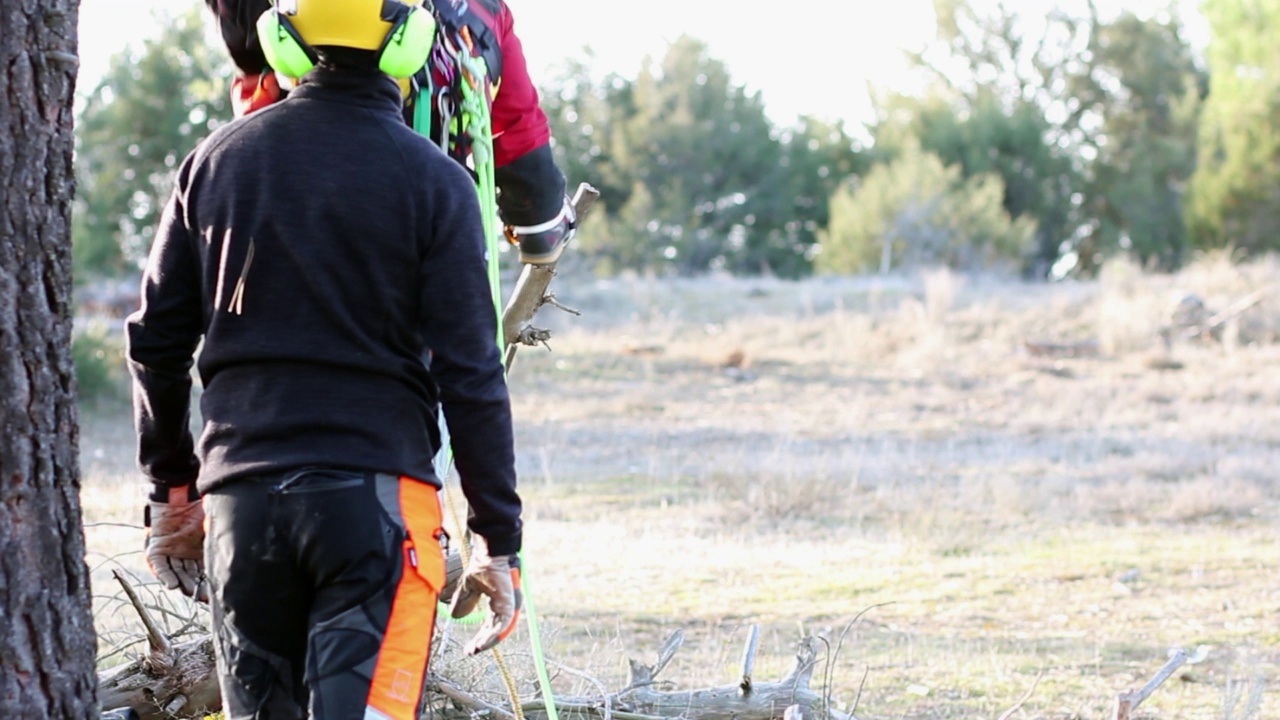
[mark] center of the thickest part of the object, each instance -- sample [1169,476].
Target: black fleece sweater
[332,262]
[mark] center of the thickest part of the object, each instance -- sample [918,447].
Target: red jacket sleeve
[531,188]
[519,125]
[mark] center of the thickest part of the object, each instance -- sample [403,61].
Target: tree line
[1037,148]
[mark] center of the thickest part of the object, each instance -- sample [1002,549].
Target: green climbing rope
[474,119]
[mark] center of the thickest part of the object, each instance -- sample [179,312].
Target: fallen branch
[1127,702]
[169,680]
[1046,348]
[160,645]
[1218,319]
[766,701]
[465,700]
[188,687]
[640,700]
[1022,700]
[643,675]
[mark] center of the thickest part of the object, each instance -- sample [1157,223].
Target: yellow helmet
[359,24]
[400,31]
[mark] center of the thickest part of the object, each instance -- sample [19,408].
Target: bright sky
[815,61]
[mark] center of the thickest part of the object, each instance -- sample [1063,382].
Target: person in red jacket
[531,202]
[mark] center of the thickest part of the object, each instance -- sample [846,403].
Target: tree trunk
[46,622]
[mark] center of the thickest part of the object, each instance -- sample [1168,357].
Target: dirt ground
[1008,485]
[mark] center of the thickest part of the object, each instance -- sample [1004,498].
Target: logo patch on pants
[402,685]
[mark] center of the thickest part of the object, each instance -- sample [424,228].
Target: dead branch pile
[179,680]
[791,697]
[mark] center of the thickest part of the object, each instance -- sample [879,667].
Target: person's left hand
[175,542]
[497,578]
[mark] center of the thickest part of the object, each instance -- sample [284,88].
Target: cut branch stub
[188,687]
[749,658]
[642,674]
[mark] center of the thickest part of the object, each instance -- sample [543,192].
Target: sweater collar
[367,88]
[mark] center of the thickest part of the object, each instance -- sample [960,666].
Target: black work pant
[324,591]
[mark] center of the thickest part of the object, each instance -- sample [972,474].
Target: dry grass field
[1018,486]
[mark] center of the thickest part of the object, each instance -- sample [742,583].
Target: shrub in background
[98,354]
[917,212]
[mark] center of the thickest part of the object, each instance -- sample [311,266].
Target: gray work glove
[175,541]
[499,580]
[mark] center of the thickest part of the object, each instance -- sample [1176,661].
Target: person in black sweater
[332,263]
[531,200]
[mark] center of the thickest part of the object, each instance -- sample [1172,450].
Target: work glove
[497,578]
[175,540]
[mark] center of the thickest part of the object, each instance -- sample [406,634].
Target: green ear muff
[284,49]
[408,45]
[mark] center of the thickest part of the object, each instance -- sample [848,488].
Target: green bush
[98,355]
[917,212]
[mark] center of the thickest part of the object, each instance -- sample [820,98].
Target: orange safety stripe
[396,690]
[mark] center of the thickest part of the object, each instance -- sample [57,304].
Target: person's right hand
[175,541]
[499,580]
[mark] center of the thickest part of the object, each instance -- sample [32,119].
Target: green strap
[476,120]
[478,123]
[535,642]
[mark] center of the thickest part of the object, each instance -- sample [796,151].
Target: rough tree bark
[46,622]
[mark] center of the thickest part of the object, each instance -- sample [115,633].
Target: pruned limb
[1127,702]
[530,292]
[527,298]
